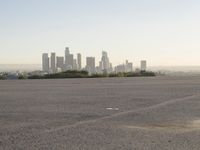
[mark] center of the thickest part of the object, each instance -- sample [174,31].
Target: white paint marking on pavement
[110,108]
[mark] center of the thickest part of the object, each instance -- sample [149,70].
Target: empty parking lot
[150,113]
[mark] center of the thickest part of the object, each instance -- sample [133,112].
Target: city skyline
[53,63]
[166,33]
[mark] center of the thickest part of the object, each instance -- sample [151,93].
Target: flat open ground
[160,113]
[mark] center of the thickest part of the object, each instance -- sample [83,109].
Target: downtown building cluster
[54,64]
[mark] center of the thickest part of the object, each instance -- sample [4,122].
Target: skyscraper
[66,55]
[69,62]
[129,66]
[143,65]
[75,67]
[67,51]
[69,59]
[105,61]
[60,62]
[45,62]
[90,64]
[101,65]
[53,62]
[79,64]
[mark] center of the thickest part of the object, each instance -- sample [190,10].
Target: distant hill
[19,67]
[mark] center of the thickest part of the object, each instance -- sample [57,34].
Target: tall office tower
[143,65]
[60,62]
[69,62]
[111,68]
[101,65]
[99,69]
[79,64]
[90,64]
[105,61]
[129,66]
[45,62]
[75,67]
[53,62]
[67,51]
[66,56]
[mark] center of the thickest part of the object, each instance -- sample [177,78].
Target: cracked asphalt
[153,113]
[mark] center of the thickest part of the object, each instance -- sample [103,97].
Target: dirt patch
[168,126]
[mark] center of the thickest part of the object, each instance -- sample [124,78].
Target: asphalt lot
[159,113]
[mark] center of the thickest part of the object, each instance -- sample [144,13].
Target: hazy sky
[164,32]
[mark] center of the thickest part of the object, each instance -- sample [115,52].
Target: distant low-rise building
[120,68]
